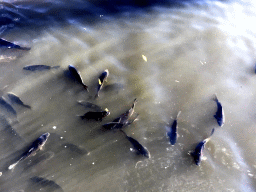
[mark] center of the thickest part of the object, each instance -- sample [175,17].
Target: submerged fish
[219,115]
[137,146]
[35,146]
[39,67]
[122,120]
[16,99]
[198,152]
[46,183]
[9,45]
[76,75]
[98,116]
[90,105]
[172,133]
[101,80]
[8,107]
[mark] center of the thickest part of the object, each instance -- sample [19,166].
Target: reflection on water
[170,57]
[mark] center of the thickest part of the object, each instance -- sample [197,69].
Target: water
[171,56]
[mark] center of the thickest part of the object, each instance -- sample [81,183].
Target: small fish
[98,116]
[117,125]
[46,183]
[101,80]
[39,67]
[125,116]
[197,154]
[9,45]
[35,146]
[74,149]
[113,87]
[90,105]
[172,133]
[8,107]
[16,99]
[137,146]
[76,75]
[219,115]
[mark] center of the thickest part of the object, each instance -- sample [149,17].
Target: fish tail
[24,48]
[123,132]
[27,106]
[212,132]
[96,95]
[56,67]
[12,166]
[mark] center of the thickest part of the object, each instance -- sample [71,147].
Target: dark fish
[172,133]
[113,87]
[8,107]
[9,45]
[101,80]
[76,75]
[39,67]
[46,183]
[35,146]
[125,116]
[219,115]
[90,105]
[137,146]
[198,152]
[16,99]
[98,116]
[117,125]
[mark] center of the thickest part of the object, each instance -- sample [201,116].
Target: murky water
[170,56]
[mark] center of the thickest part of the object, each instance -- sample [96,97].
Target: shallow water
[171,57]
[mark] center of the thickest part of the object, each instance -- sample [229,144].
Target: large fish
[90,105]
[198,152]
[9,45]
[35,146]
[172,132]
[219,115]
[16,99]
[76,75]
[39,67]
[137,146]
[98,116]
[101,80]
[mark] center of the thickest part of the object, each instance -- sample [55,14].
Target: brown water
[171,58]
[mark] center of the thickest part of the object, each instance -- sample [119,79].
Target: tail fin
[178,114]
[207,139]
[12,166]
[123,133]
[56,67]
[23,48]
[215,97]
[86,87]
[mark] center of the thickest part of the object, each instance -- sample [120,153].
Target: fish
[198,152]
[219,115]
[74,149]
[35,146]
[101,80]
[39,67]
[46,183]
[98,116]
[9,45]
[137,146]
[172,133]
[8,107]
[117,125]
[76,75]
[90,105]
[16,99]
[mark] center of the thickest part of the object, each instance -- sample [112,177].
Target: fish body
[98,116]
[9,45]
[46,183]
[198,152]
[101,80]
[172,133]
[17,100]
[35,146]
[137,146]
[125,116]
[8,107]
[219,115]
[76,75]
[39,67]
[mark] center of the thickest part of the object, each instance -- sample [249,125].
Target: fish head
[106,112]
